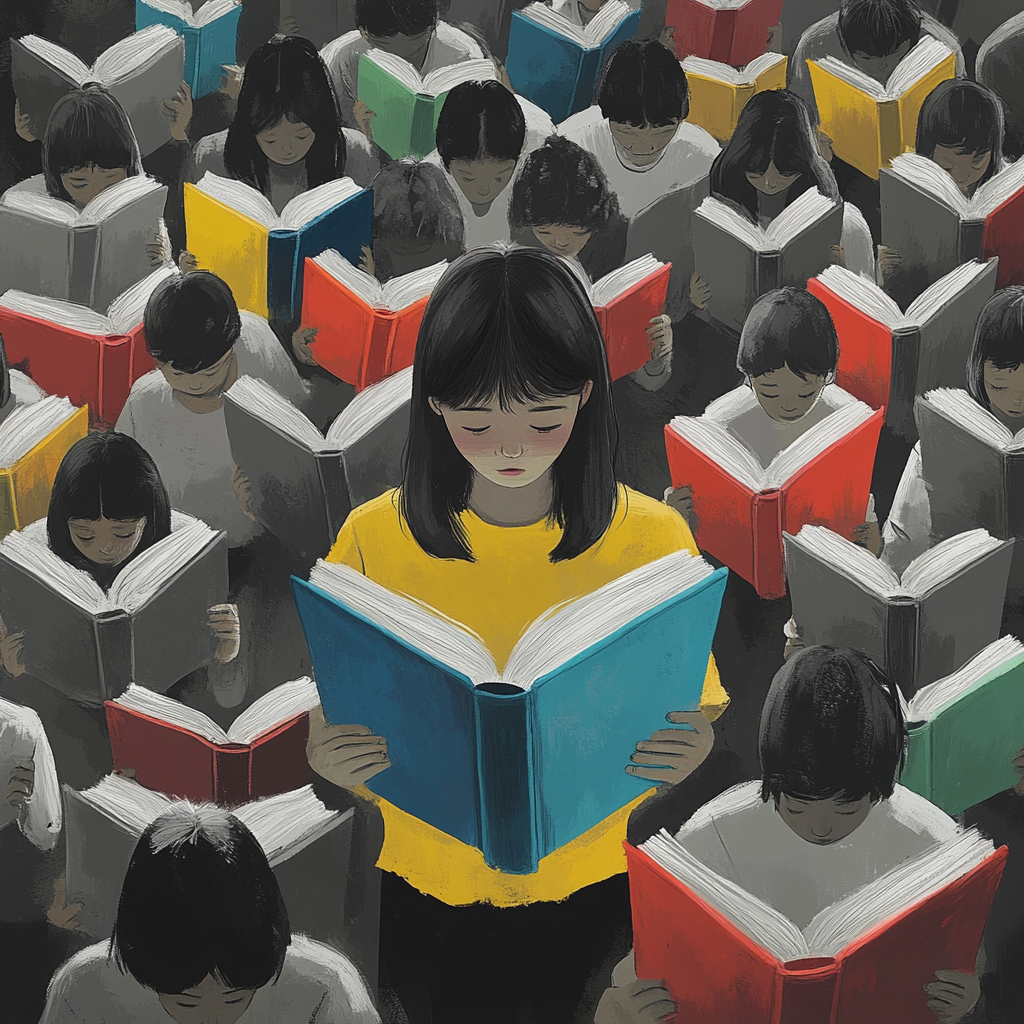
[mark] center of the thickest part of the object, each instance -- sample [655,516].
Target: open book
[719,92]
[92,358]
[179,751]
[741,260]
[728,956]
[870,124]
[23,743]
[557,64]
[307,846]
[304,484]
[209,31]
[935,226]
[366,330]
[730,31]
[150,627]
[887,357]
[946,606]
[500,783]
[742,507]
[49,247]
[142,72]
[407,104]
[234,231]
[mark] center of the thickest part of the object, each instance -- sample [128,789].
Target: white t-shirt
[317,986]
[191,450]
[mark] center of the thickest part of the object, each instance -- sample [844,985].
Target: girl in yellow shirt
[508,506]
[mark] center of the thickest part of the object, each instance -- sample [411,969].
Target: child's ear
[435,405]
[364,33]
[586,392]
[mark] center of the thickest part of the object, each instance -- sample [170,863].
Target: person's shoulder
[345,44]
[691,141]
[820,32]
[211,144]
[329,975]
[150,388]
[88,969]
[920,815]
[650,521]
[462,44]
[257,337]
[586,127]
[378,513]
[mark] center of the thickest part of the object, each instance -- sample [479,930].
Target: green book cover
[406,121]
[964,754]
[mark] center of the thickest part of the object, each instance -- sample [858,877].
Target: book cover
[406,121]
[731,35]
[624,322]
[716,104]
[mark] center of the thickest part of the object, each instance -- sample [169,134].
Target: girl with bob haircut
[508,505]
[202,934]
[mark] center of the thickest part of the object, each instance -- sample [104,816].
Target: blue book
[557,64]
[209,30]
[521,762]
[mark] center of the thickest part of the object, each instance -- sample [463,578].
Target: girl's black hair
[831,726]
[998,338]
[963,114]
[788,326]
[561,183]
[643,84]
[775,126]
[198,899]
[416,198]
[191,321]
[285,77]
[515,325]
[113,476]
[87,127]
[478,120]
[383,18]
[878,27]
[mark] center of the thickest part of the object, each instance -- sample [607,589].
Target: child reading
[508,503]
[202,934]
[826,817]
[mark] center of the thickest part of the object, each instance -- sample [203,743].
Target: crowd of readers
[510,371]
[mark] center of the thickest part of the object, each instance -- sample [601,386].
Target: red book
[366,331]
[742,508]
[70,350]
[729,31]
[718,974]
[177,750]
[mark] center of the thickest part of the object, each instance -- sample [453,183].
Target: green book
[965,730]
[407,105]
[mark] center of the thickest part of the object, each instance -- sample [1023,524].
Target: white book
[726,73]
[27,425]
[111,200]
[958,406]
[204,15]
[933,179]
[927,55]
[601,26]
[438,81]
[796,218]
[394,295]
[23,743]
[725,5]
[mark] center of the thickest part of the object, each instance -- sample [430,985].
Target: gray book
[304,484]
[920,626]
[91,256]
[142,72]
[307,846]
[151,627]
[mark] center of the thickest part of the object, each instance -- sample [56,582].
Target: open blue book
[557,64]
[209,30]
[521,762]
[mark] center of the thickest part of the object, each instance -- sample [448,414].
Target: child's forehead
[783,373]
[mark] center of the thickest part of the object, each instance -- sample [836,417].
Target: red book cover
[170,759]
[624,322]
[734,35]
[718,975]
[1004,237]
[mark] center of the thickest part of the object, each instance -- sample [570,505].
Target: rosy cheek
[473,446]
[553,442]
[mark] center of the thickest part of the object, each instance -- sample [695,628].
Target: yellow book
[718,92]
[33,442]
[871,124]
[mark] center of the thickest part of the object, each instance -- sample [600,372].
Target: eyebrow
[474,408]
[548,408]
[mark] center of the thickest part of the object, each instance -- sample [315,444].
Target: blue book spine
[543,66]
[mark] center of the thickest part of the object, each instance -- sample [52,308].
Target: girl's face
[562,239]
[823,822]
[482,181]
[1005,389]
[643,145]
[966,169]
[771,181]
[106,541]
[84,184]
[517,446]
[209,1002]
[286,142]
[785,395]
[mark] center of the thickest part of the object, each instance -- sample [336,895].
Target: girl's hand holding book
[366,260]
[187,262]
[671,756]
[364,118]
[659,331]
[633,1001]
[889,260]
[61,914]
[838,255]
[346,755]
[20,784]
[953,995]
[869,535]
[300,345]
[242,486]
[21,124]
[231,80]
[179,111]
[681,499]
[12,646]
[700,291]
[224,624]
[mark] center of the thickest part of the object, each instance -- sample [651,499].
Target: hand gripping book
[151,627]
[142,72]
[888,358]
[305,484]
[408,105]
[366,330]
[963,731]
[718,92]
[209,30]
[729,31]
[726,956]
[741,260]
[89,257]
[557,64]
[871,124]
[23,743]
[307,845]
[743,507]
[920,626]
[234,231]
[91,358]
[936,228]
[488,757]
[179,751]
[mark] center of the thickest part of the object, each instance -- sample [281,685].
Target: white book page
[27,425]
[857,78]
[156,705]
[285,823]
[364,285]
[402,291]
[45,207]
[865,295]
[725,5]
[128,310]
[804,211]
[944,291]
[57,311]
[724,216]
[370,407]
[605,22]
[117,197]
[239,196]
[212,10]
[759,65]
[261,401]
[283,702]
[27,552]
[303,208]
[929,53]
[946,559]
[853,561]
[127,803]
[731,405]
[58,57]
[714,69]
[958,406]
[931,178]
[397,67]
[179,8]
[711,438]
[445,78]
[616,283]
[542,14]
[997,189]
[133,52]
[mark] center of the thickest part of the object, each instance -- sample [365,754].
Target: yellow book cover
[716,103]
[230,245]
